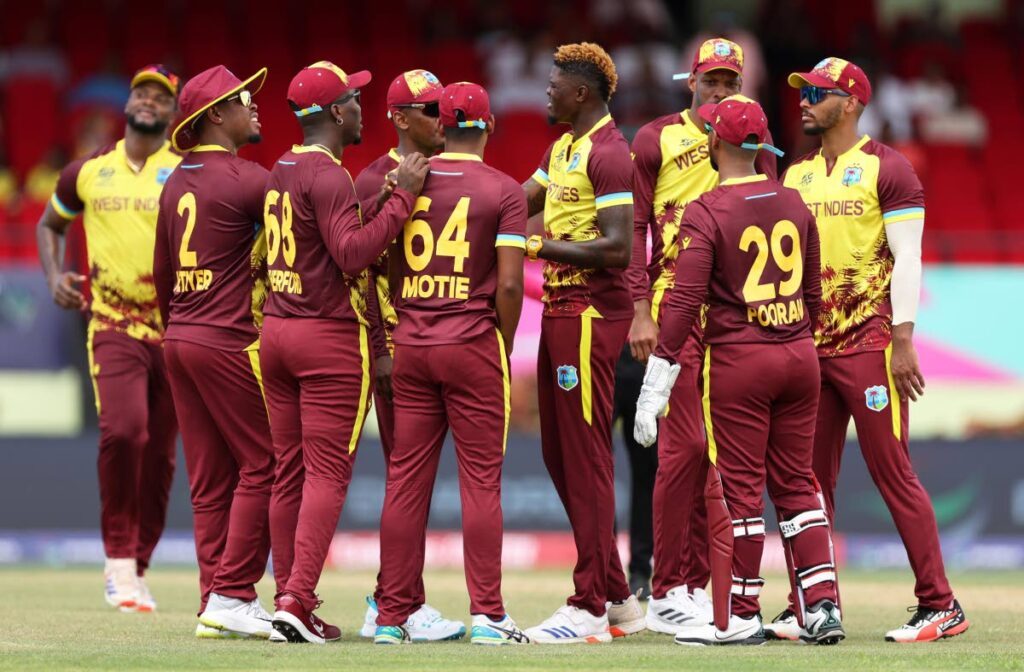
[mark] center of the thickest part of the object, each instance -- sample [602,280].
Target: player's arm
[51,237]
[382,363]
[812,273]
[163,270]
[536,187]
[643,332]
[354,246]
[510,244]
[693,273]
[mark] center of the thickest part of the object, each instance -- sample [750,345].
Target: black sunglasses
[347,97]
[428,109]
[816,94]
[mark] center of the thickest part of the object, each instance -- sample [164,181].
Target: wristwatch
[534,244]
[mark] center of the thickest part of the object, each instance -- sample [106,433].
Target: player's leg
[881,417]
[420,428]
[158,461]
[802,521]
[736,405]
[119,366]
[333,366]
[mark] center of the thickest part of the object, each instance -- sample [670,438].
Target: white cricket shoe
[206,632]
[122,583]
[783,627]
[496,633]
[742,631]
[674,611]
[369,628]
[424,625]
[823,624]
[230,613]
[929,625]
[145,603]
[571,625]
[626,617]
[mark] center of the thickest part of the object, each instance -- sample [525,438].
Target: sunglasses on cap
[816,94]
[428,109]
[347,97]
[243,97]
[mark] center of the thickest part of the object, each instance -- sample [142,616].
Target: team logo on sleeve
[567,377]
[852,175]
[876,398]
[162,174]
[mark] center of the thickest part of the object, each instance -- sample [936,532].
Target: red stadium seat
[31,106]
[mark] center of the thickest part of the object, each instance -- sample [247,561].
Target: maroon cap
[204,91]
[736,119]
[318,85]
[716,54]
[835,73]
[469,98]
[415,86]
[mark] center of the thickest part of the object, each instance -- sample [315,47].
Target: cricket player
[117,190]
[584,187]
[671,168]
[210,273]
[752,250]
[413,109]
[869,206]
[459,262]
[315,351]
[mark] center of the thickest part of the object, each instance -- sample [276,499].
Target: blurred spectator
[890,108]
[35,57]
[646,89]
[723,24]
[42,179]
[8,183]
[956,123]
[651,15]
[97,128]
[932,93]
[518,72]
[107,87]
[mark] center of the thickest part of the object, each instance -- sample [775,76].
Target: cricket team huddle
[263,313]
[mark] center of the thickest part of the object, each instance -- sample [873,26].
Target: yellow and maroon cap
[204,91]
[317,86]
[717,53]
[470,99]
[160,74]
[835,73]
[735,119]
[414,87]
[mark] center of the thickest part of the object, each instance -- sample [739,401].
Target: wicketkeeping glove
[659,379]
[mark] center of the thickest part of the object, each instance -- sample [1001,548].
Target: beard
[154,128]
[829,121]
[551,120]
[254,138]
[714,164]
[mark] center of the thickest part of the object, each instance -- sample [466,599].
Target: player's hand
[62,289]
[643,336]
[906,372]
[411,173]
[388,188]
[659,379]
[382,374]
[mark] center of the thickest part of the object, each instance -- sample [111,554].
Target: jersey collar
[603,121]
[856,147]
[458,156]
[209,148]
[395,156]
[122,146]
[305,149]
[743,180]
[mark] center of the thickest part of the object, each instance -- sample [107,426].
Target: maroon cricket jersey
[210,257]
[751,248]
[448,260]
[317,247]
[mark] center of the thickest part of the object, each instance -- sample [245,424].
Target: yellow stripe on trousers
[586,390]
[894,395]
[506,383]
[364,390]
[254,361]
[94,369]
[708,425]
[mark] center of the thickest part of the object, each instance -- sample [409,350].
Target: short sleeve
[611,172]
[512,217]
[541,174]
[900,194]
[65,200]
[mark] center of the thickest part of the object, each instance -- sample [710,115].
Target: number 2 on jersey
[755,291]
[452,242]
[187,209]
[280,237]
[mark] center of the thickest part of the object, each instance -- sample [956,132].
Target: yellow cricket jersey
[671,168]
[870,185]
[119,202]
[581,177]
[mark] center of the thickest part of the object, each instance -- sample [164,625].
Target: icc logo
[852,175]
[876,398]
[567,377]
[575,161]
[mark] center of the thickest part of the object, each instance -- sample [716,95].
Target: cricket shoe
[122,583]
[626,617]
[783,627]
[235,615]
[487,632]
[741,631]
[293,622]
[571,625]
[425,624]
[930,625]
[391,634]
[206,632]
[823,624]
[145,603]
[674,611]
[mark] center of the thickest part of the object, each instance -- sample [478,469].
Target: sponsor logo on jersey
[876,398]
[567,376]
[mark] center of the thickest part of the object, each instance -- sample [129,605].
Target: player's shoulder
[378,167]
[890,159]
[803,158]
[608,137]
[654,128]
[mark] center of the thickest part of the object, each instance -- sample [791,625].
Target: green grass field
[56,619]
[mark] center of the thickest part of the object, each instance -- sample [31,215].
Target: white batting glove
[659,379]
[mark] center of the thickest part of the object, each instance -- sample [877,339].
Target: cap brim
[184,138]
[707,111]
[798,79]
[358,80]
[708,67]
[144,77]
